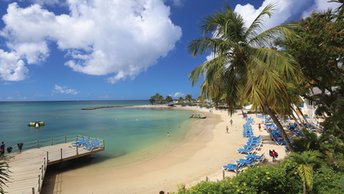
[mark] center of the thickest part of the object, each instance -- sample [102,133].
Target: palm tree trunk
[279,126]
[298,116]
[297,122]
[303,116]
[304,188]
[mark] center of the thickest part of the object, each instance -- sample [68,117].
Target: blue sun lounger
[245,151]
[82,142]
[243,162]
[232,167]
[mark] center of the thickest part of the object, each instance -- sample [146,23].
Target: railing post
[42,171]
[39,183]
[47,157]
[33,190]
[223,174]
[61,153]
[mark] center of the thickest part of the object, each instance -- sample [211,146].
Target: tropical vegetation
[4,175]
[159,99]
[245,66]
[272,69]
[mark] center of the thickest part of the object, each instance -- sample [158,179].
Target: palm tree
[305,163]
[180,100]
[168,99]
[152,100]
[188,98]
[245,66]
[4,175]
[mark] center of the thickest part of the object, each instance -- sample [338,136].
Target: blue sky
[111,50]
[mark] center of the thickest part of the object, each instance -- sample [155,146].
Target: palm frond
[4,175]
[266,38]
[306,174]
[257,23]
[196,73]
[280,62]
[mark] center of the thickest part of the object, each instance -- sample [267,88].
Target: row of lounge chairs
[247,127]
[87,143]
[251,160]
[253,144]
[295,130]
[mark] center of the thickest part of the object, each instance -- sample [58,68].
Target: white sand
[202,154]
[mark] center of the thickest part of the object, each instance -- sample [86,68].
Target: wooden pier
[28,167]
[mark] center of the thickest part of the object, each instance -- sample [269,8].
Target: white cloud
[48,2]
[282,11]
[64,90]
[178,94]
[12,68]
[178,3]
[117,38]
[320,5]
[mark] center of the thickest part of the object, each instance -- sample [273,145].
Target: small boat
[36,124]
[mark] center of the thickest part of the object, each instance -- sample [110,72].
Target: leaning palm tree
[246,65]
[4,175]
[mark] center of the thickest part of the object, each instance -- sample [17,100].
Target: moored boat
[36,124]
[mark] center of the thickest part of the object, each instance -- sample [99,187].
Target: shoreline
[200,154]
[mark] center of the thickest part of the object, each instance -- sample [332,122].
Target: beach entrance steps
[28,167]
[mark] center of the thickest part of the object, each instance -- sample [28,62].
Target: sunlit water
[125,130]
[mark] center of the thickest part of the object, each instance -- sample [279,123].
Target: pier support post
[39,183]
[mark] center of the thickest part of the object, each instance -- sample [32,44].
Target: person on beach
[20,147]
[271,155]
[231,121]
[259,127]
[227,129]
[2,149]
[275,154]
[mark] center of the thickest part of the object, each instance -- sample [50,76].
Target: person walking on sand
[231,121]
[227,129]
[2,149]
[259,127]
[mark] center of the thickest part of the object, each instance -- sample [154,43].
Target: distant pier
[28,167]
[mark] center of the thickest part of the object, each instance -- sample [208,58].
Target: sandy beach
[202,153]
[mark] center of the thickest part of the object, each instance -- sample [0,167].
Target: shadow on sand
[53,177]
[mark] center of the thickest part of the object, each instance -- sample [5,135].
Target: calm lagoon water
[124,130]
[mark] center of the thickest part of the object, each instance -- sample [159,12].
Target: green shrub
[328,181]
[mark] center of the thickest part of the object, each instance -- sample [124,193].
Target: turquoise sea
[124,130]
